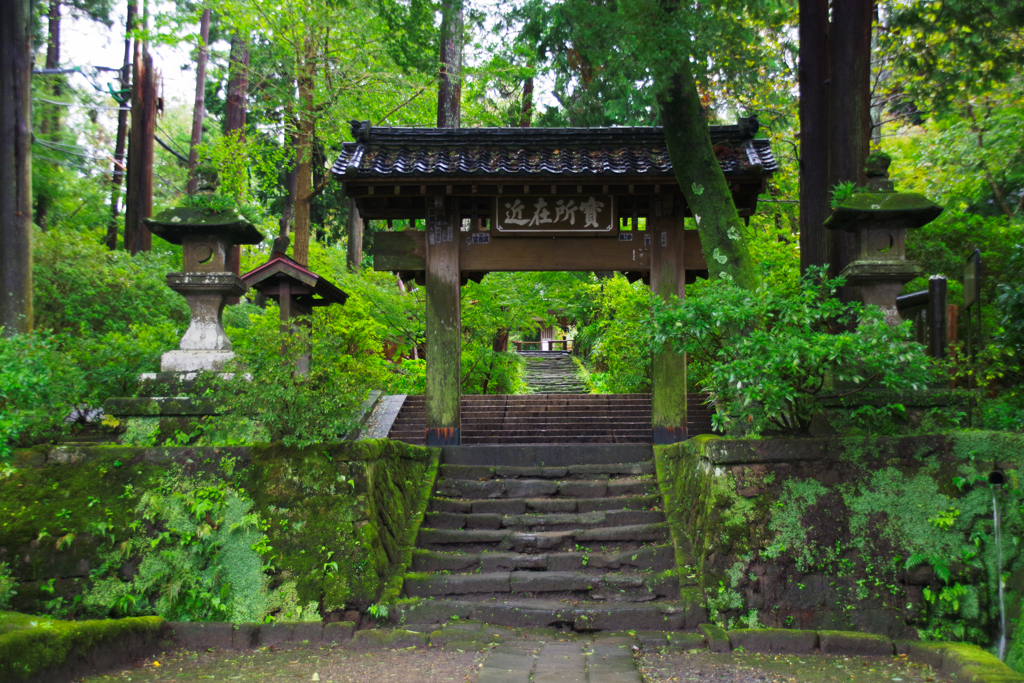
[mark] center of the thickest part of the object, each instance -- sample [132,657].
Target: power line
[167,147]
[88,107]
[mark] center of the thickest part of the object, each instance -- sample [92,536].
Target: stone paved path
[601,660]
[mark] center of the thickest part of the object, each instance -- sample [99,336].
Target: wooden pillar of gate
[668,278]
[444,325]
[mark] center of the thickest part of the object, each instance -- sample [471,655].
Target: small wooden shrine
[470,201]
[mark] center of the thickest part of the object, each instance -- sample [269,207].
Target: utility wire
[88,107]
[168,148]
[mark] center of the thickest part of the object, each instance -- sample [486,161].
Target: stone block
[311,631]
[552,505]
[690,641]
[483,521]
[499,507]
[246,637]
[456,584]
[275,634]
[852,643]
[449,505]
[774,640]
[530,488]
[549,581]
[927,653]
[651,640]
[429,561]
[337,631]
[193,635]
[583,489]
[716,637]
[435,611]
[385,638]
[444,520]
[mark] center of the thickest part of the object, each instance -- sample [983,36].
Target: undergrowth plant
[773,354]
[198,553]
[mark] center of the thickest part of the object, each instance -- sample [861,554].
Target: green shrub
[320,405]
[80,286]
[8,586]
[1010,302]
[39,388]
[774,353]
[619,338]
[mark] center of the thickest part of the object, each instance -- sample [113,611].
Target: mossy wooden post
[668,367]
[444,325]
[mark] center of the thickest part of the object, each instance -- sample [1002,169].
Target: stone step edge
[950,658]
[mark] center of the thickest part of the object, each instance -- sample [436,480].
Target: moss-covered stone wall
[891,535]
[212,533]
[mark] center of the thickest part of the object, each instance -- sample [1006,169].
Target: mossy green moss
[889,534]
[338,521]
[30,645]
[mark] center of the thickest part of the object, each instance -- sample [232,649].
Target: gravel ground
[327,666]
[756,668]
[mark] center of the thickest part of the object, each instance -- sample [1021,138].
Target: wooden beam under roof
[406,251]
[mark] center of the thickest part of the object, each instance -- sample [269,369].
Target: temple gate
[481,200]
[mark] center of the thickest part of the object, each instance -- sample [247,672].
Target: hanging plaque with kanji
[543,214]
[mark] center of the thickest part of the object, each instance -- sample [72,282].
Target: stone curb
[965,663]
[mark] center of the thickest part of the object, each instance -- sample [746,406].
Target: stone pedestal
[206,240]
[204,346]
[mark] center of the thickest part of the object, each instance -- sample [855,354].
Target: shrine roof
[398,153]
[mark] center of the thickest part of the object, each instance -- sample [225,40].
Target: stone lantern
[205,281]
[879,218]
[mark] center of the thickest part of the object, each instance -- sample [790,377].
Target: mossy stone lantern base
[879,219]
[205,282]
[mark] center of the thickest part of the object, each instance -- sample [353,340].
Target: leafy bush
[39,388]
[619,338]
[777,352]
[197,554]
[81,287]
[1010,301]
[8,586]
[320,405]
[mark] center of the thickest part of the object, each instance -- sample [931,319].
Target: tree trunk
[140,154]
[527,115]
[290,179]
[701,178]
[449,91]
[199,110]
[814,134]
[304,156]
[117,176]
[355,237]
[238,86]
[850,111]
[15,166]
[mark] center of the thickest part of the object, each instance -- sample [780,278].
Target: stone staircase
[549,418]
[549,535]
[552,372]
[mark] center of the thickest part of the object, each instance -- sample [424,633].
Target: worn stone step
[680,615]
[543,439]
[586,471]
[518,506]
[546,454]
[654,558]
[554,521]
[537,488]
[623,537]
[612,587]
